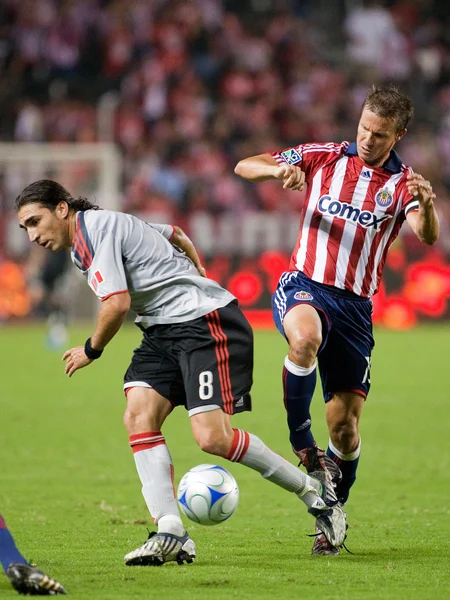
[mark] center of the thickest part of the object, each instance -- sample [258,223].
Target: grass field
[70,494]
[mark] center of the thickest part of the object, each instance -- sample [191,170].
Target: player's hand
[293,177]
[420,189]
[201,270]
[75,359]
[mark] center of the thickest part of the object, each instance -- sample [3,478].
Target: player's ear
[62,209]
[401,133]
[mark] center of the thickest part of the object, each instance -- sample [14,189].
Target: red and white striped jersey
[351,215]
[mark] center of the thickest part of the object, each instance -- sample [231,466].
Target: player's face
[48,229]
[376,137]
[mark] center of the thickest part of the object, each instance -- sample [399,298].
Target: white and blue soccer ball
[208,494]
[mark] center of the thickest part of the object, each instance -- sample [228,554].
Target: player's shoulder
[336,147]
[104,219]
[324,151]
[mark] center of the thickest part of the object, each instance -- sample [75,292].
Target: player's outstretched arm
[263,167]
[112,314]
[425,221]
[181,241]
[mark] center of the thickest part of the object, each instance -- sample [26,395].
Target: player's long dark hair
[50,193]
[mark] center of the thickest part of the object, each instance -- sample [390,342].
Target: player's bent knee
[304,345]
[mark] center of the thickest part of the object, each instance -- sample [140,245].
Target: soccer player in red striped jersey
[358,195]
[196,351]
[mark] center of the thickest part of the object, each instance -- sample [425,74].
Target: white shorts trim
[201,409]
[130,384]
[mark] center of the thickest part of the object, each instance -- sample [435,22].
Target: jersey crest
[384,198]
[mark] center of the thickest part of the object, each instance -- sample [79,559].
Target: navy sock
[348,463]
[299,384]
[8,551]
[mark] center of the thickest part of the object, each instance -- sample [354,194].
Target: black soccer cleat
[314,459]
[30,581]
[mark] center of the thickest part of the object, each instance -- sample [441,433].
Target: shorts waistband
[331,289]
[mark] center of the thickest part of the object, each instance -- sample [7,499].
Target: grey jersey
[118,252]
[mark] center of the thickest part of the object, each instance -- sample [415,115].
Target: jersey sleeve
[106,274]
[165,230]
[309,157]
[97,252]
[409,203]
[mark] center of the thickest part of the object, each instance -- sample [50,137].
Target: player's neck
[72,227]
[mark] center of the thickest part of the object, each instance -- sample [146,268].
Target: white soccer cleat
[161,548]
[332,522]
[331,519]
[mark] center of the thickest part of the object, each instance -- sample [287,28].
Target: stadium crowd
[188,87]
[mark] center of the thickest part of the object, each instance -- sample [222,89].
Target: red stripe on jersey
[81,247]
[311,234]
[360,236]
[378,249]
[337,231]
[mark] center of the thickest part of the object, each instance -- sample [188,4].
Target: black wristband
[91,352]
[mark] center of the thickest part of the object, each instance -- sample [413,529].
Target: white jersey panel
[348,236]
[327,221]
[124,253]
[301,254]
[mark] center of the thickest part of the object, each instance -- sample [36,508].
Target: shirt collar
[392,164]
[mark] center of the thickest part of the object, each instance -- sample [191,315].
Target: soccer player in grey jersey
[196,351]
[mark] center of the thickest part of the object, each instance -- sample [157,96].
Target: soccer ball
[208,494]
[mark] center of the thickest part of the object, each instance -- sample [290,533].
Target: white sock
[155,470]
[350,456]
[250,451]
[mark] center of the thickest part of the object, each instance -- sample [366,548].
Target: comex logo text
[348,212]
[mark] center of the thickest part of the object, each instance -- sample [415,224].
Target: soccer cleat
[314,459]
[330,518]
[161,548]
[322,546]
[30,581]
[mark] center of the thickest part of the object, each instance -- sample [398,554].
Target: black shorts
[201,364]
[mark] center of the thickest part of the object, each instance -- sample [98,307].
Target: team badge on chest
[384,198]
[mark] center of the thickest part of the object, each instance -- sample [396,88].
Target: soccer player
[196,351]
[25,578]
[358,196]
[46,272]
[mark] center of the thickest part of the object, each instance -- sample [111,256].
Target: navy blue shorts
[347,341]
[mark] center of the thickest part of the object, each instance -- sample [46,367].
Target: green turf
[70,494]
